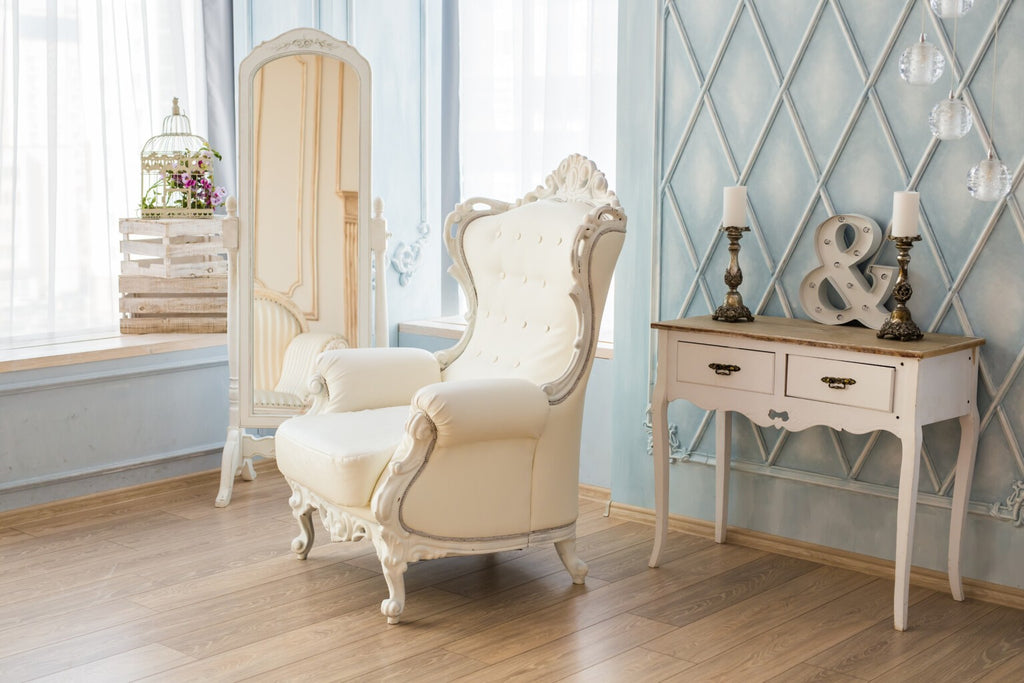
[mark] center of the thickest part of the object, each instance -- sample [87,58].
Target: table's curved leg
[910,470]
[961,496]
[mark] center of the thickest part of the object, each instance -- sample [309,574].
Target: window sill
[452,327]
[106,348]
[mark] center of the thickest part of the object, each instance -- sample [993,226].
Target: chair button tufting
[501,276]
[524,324]
[540,238]
[516,364]
[497,234]
[524,279]
[547,328]
[519,235]
[495,360]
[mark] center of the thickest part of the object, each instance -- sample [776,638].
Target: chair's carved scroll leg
[303,513]
[394,574]
[567,553]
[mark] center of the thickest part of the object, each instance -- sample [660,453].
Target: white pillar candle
[905,207]
[734,212]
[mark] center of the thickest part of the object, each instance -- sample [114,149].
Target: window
[537,82]
[83,85]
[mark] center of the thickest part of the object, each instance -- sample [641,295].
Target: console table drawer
[846,383]
[723,366]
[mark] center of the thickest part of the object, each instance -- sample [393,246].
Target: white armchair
[474,449]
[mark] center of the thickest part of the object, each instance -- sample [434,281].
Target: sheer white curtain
[83,85]
[536,83]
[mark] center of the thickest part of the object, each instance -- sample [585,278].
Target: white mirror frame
[241,447]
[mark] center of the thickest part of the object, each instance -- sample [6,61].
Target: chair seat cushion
[340,455]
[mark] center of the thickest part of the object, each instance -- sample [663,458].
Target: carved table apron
[796,374]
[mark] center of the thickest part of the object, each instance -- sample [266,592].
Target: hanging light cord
[952,58]
[995,65]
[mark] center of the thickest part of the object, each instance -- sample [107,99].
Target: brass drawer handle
[723,369]
[838,382]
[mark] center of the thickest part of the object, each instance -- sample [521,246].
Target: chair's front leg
[391,553]
[567,553]
[302,510]
[394,574]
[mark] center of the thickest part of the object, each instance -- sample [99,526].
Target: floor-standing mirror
[302,257]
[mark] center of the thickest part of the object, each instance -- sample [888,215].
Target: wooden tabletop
[808,333]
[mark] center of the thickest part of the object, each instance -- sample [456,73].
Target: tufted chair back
[536,275]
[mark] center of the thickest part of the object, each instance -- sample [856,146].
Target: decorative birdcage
[177,172]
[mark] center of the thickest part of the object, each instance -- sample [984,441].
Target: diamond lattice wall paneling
[801,101]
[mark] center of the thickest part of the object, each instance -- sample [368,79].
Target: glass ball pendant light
[950,9]
[951,119]
[989,180]
[921,63]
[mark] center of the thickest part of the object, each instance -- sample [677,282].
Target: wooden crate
[173,276]
[176,304]
[172,247]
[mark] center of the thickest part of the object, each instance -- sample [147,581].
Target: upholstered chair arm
[479,410]
[364,379]
[299,362]
[469,446]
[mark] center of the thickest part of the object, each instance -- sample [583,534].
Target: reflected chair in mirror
[474,449]
[304,246]
[283,360]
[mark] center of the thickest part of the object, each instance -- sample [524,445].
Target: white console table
[796,374]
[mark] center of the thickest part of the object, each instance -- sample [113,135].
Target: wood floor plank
[783,647]
[625,562]
[732,626]
[510,638]
[725,589]
[805,673]
[430,667]
[1010,670]
[974,651]
[575,651]
[873,651]
[278,655]
[127,666]
[238,577]
[41,632]
[636,665]
[382,645]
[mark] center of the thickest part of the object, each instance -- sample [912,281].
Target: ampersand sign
[839,256]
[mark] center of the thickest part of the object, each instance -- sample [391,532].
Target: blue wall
[801,101]
[73,430]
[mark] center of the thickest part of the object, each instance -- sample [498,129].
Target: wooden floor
[155,583]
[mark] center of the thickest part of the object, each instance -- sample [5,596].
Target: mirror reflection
[305,222]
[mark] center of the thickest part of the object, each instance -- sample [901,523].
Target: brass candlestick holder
[901,325]
[733,310]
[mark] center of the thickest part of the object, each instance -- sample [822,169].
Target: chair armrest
[363,379]
[465,411]
[299,362]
